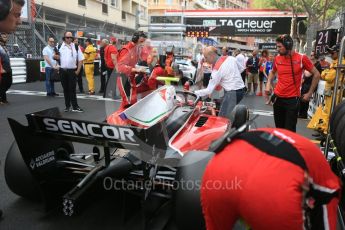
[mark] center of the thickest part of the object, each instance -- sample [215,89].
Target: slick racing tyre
[18,177]
[186,200]
[338,113]
[239,116]
[337,125]
[339,136]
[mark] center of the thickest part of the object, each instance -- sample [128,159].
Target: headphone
[137,35]
[286,40]
[5,8]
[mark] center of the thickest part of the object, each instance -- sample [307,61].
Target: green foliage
[316,9]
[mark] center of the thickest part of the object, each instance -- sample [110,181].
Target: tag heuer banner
[244,26]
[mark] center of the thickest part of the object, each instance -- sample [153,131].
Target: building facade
[92,18]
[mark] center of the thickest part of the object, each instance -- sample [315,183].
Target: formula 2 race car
[161,129]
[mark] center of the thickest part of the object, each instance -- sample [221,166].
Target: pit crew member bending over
[226,74]
[271,179]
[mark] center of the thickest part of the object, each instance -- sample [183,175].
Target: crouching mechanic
[226,74]
[282,182]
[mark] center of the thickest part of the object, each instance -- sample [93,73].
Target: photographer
[287,95]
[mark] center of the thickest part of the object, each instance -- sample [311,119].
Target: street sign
[244,26]
[324,39]
[267,46]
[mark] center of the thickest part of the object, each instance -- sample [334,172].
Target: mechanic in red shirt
[289,65]
[127,58]
[110,56]
[270,179]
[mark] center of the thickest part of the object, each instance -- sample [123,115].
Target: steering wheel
[183,97]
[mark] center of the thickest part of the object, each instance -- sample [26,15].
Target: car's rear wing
[49,124]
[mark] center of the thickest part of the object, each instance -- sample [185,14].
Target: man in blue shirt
[50,64]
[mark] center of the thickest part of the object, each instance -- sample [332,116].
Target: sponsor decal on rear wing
[127,137]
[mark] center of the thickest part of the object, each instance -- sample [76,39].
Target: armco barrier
[34,70]
[18,69]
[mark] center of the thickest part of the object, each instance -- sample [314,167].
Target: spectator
[226,74]
[6,70]
[287,90]
[225,51]
[80,75]
[306,83]
[267,69]
[127,59]
[324,64]
[104,44]
[253,74]
[241,63]
[89,65]
[262,62]
[50,65]
[68,55]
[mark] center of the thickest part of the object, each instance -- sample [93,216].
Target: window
[114,3]
[166,19]
[82,2]
[142,12]
[155,2]
[124,15]
[104,8]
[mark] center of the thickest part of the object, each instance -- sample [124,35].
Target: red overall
[127,58]
[243,182]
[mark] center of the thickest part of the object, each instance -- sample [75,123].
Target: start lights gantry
[197,32]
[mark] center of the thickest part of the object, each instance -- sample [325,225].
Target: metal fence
[30,37]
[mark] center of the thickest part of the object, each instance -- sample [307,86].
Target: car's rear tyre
[18,177]
[187,208]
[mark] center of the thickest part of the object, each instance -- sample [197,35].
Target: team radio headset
[288,44]
[5,8]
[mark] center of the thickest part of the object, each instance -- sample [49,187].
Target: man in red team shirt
[110,56]
[271,179]
[289,66]
[127,58]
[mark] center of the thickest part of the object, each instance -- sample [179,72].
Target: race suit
[270,179]
[89,58]
[128,84]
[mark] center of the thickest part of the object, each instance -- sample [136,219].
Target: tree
[318,12]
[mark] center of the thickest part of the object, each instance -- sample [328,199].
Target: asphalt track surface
[100,212]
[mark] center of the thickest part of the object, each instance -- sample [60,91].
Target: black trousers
[243,75]
[80,80]
[5,84]
[285,113]
[68,81]
[104,73]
